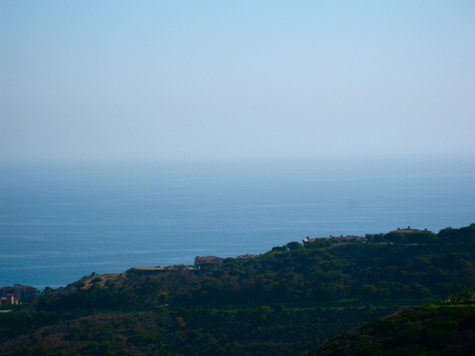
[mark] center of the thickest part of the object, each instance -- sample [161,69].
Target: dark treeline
[445,236]
[426,330]
[206,331]
[288,300]
[372,271]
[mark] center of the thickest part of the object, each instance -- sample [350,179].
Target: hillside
[425,330]
[290,299]
[411,267]
[234,330]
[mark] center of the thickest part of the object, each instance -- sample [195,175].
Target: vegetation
[374,271]
[233,330]
[290,299]
[447,329]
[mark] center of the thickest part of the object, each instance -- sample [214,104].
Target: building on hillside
[20,293]
[9,299]
[246,257]
[408,230]
[208,259]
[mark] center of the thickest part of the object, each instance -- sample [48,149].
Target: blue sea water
[61,222]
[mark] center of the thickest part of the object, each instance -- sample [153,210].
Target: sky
[148,80]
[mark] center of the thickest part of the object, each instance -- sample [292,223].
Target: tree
[294,245]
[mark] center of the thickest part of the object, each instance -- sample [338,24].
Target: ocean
[59,222]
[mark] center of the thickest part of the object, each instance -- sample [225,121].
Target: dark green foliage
[372,271]
[261,330]
[289,299]
[427,330]
[422,237]
[294,245]
[462,235]
[318,244]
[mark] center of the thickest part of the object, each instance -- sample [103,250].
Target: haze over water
[240,126]
[61,222]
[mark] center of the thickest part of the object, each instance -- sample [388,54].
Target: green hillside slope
[438,330]
[282,302]
[431,268]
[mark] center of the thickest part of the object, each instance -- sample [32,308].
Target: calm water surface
[61,222]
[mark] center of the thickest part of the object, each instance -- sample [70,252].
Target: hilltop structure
[246,257]
[408,230]
[16,294]
[208,259]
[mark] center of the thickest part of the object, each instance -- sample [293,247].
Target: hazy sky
[100,80]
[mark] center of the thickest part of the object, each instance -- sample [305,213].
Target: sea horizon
[60,221]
